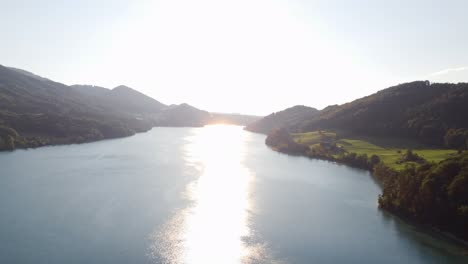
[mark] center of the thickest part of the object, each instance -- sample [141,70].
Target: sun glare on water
[215,227]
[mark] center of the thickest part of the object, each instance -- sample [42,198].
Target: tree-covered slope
[35,111]
[432,194]
[435,114]
[120,99]
[283,119]
[417,110]
[183,115]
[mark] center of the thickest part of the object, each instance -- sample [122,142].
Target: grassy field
[311,138]
[387,153]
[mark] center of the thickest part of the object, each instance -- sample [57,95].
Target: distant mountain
[235,119]
[36,111]
[283,119]
[30,74]
[183,115]
[120,99]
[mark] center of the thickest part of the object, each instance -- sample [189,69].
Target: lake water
[197,196]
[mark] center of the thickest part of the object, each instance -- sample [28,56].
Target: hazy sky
[247,56]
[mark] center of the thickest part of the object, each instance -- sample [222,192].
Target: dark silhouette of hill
[183,115]
[235,119]
[284,119]
[35,111]
[30,74]
[120,99]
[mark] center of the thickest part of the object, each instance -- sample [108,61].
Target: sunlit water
[215,226]
[197,195]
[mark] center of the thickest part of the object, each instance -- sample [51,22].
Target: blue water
[197,195]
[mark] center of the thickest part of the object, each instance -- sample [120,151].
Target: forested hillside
[432,194]
[431,113]
[183,115]
[121,99]
[35,111]
[434,114]
[282,119]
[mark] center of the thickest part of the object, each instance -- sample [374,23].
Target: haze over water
[197,195]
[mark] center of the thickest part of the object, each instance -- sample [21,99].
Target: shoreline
[54,144]
[429,229]
[66,143]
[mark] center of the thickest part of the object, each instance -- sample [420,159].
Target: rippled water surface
[197,196]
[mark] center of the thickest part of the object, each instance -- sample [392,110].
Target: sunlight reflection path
[215,228]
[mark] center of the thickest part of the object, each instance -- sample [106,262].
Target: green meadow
[388,151]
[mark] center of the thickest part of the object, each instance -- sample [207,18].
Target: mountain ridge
[421,111]
[282,119]
[36,111]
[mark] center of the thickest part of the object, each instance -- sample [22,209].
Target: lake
[197,195]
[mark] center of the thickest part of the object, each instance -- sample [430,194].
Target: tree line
[434,194]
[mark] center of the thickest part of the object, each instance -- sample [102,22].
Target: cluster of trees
[410,156]
[282,141]
[432,194]
[456,138]
[30,130]
[362,161]
[7,138]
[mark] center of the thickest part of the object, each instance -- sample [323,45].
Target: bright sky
[245,56]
